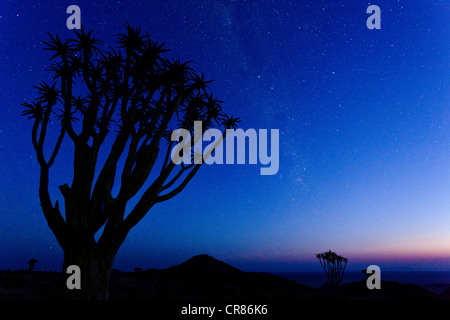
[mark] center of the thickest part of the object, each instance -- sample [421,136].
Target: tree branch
[52,214]
[180,187]
[37,148]
[45,121]
[105,180]
[177,176]
[57,146]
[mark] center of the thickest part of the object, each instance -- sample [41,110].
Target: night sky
[363,116]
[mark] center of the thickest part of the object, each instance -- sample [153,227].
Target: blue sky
[364,120]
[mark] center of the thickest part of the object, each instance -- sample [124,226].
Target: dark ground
[203,278]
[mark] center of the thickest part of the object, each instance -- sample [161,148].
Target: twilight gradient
[364,120]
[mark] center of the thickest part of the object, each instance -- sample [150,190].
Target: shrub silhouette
[133,96]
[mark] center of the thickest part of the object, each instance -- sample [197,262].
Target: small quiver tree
[31,264]
[334,266]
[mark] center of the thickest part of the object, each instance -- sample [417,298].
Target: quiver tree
[133,96]
[334,266]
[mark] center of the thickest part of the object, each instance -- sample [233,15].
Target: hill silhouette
[446,294]
[204,278]
[390,290]
[203,264]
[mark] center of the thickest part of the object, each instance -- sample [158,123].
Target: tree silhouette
[334,266]
[31,264]
[133,96]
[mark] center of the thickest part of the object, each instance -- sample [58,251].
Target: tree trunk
[95,266]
